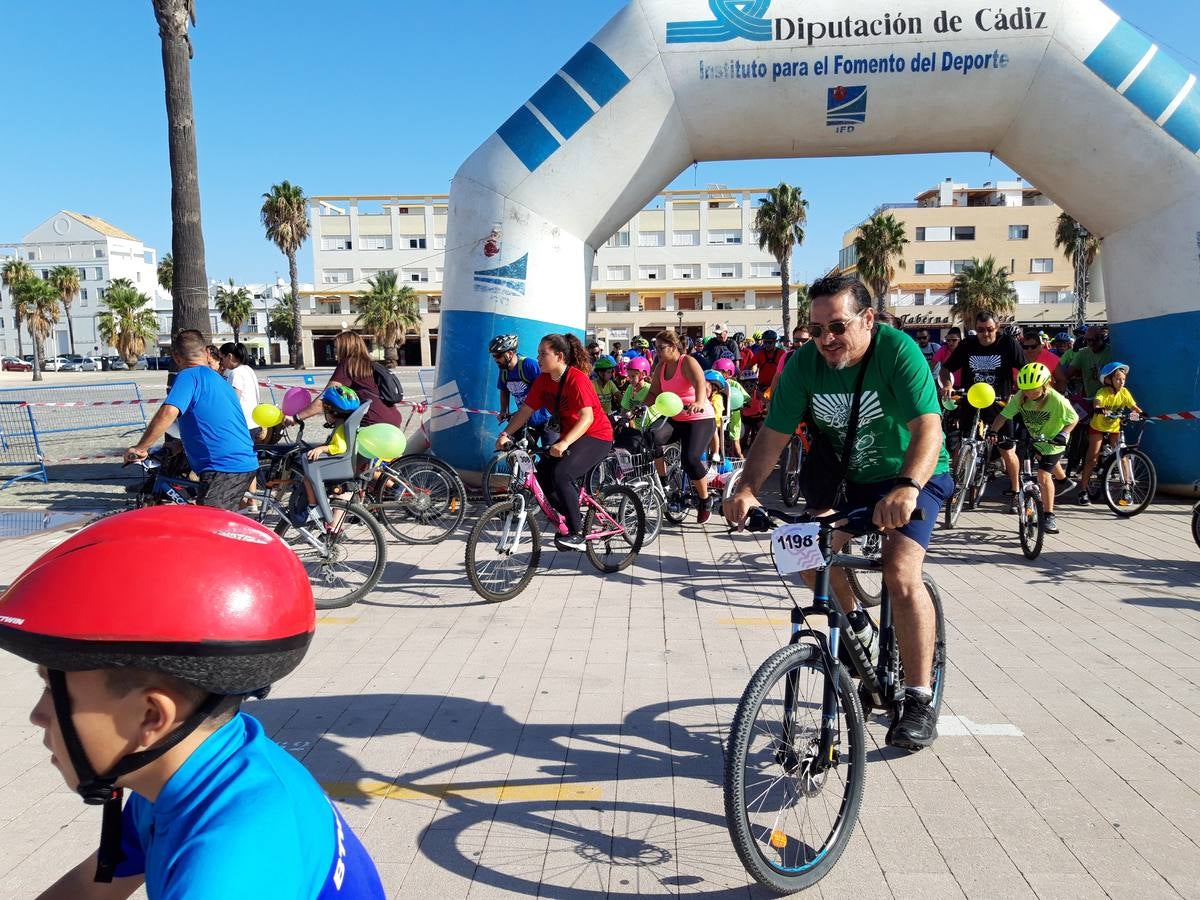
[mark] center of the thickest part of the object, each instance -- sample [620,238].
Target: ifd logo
[846,108]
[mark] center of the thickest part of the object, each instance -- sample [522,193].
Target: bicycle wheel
[352,557]
[867,584]
[964,479]
[788,819]
[789,473]
[678,491]
[979,483]
[605,473]
[1029,526]
[497,479]
[612,554]
[938,681]
[652,506]
[419,499]
[1129,492]
[503,551]
[1196,524]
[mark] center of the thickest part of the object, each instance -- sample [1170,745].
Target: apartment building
[950,224]
[690,260]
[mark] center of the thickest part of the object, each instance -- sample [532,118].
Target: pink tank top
[679,384]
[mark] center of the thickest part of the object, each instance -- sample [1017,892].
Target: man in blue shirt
[211,424]
[517,375]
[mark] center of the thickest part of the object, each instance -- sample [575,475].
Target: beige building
[949,225]
[690,260]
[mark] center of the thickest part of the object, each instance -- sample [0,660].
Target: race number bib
[795,548]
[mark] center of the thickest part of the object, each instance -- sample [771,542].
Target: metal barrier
[118,405]
[19,444]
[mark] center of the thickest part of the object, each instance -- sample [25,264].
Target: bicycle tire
[1141,495]
[866,584]
[789,473]
[979,487]
[497,480]
[438,501]
[754,843]
[652,506]
[1030,527]
[1196,524]
[677,489]
[474,566]
[964,476]
[628,505]
[330,590]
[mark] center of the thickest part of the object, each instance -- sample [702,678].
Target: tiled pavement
[568,742]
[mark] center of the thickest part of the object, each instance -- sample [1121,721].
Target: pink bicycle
[506,543]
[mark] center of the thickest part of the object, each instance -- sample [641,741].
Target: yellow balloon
[266,416]
[981,395]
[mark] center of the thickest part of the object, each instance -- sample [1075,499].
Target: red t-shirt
[767,365]
[577,392]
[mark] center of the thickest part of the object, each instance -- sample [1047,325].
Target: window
[336,276]
[1041,266]
[689,271]
[376,242]
[83,296]
[99,274]
[1050,297]
[100,293]
[435,304]
[617,273]
[651,239]
[919,267]
[959,265]
[45,274]
[724,270]
[725,236]
[723,303]
[137,276]
[335,243]
[764,270]
[413,243]
[920,234]
[440,274]
[419,275]
[32,254]
[933,267]
[685,239]
[82,273]
[1018,232]
[652,273]
[620,239]
[99,252]
[964,233]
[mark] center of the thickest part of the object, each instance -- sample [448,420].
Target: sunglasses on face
[1031,346]
[985,330]
[834,328]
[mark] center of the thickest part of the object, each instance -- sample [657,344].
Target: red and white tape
[1191,416]
[77,404]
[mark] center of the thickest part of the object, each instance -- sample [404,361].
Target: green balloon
[668,404]
[381,441]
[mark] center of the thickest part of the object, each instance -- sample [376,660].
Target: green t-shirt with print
[898,387]
[631,398]
[1089,363]
[1044,418]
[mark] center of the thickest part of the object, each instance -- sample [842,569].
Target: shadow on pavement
[1164,603]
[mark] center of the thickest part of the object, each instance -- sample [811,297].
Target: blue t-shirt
[243,818]
[211,422]
[518,380]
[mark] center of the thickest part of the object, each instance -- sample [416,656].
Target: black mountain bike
[795,766]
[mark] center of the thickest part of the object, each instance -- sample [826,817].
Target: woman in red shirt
[577,424]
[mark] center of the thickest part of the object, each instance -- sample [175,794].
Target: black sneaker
[917,727]
[1065,486]
[704,511]
[570,541]
[1083,499]
[1050,523]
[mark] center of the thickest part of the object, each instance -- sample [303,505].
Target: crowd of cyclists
[163,676]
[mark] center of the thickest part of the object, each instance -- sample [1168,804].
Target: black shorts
[1047,461]
[224,490]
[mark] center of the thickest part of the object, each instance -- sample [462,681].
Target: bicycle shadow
[575,824]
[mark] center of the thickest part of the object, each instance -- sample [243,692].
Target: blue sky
[353,97]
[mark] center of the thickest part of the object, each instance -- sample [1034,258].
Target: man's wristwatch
[905,481]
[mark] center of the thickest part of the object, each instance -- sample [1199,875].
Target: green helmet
[604,362]
[1032,376]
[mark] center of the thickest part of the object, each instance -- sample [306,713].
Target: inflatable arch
[1065,92]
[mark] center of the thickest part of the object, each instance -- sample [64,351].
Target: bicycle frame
[519,461]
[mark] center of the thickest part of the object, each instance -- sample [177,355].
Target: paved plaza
[568,743]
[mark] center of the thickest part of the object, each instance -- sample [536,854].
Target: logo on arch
[731,19]
[846,108]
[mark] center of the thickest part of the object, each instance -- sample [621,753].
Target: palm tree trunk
[37,356]
[785,279]
[297,348]
[189,294]
[236,334]
[70,326]
[20,344]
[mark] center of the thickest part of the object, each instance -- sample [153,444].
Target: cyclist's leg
[1095,439]
[585,453]
[1046,466]
[694,437]
[1006,447]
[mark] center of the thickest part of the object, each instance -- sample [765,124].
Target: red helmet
[208,596]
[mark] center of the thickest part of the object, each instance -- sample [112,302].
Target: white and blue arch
[1079,102]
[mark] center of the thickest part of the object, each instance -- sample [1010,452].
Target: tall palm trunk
[70,326]
[20,344]
[297,349]
[37,356]
[785,279]
[189,294]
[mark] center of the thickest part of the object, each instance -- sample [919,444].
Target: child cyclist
[143,694]
[718,393]
[1045,413]
[605,369]
[1106,423]
[338,402]
[737,401]
[636,391]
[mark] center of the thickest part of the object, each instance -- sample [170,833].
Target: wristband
[905,481]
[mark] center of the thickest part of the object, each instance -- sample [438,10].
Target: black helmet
[770,335]
[502,343]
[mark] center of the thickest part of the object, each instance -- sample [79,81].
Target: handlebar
[857,522]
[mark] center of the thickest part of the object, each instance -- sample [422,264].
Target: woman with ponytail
[579,434]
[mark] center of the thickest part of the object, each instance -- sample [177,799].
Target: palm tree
[880,241]
[979,286]
[388,312]
[285,217]
[1081,247]
[14,272]
[780,224]
[38,303]
[279,319]
[189,294]
[235,306]
[127,322]
[166,272]
[66,281]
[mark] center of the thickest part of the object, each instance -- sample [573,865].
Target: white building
[100,252]
[691,260]
[253,332]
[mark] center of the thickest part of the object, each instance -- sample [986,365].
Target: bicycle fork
[514,525]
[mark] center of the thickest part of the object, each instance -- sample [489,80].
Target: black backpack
[391,391]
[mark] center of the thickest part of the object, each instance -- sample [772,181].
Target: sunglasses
[835,328]
[985,330]
[1031,346]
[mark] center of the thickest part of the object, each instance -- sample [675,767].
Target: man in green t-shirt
[1088,361]
[897,464]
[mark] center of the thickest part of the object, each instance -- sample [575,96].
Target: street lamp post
[679,329]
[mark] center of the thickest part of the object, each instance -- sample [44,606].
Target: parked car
[117,364]
[55,364]
[77,363]
[142,363]
[16,364]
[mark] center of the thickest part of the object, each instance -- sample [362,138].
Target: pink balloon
[295,401]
